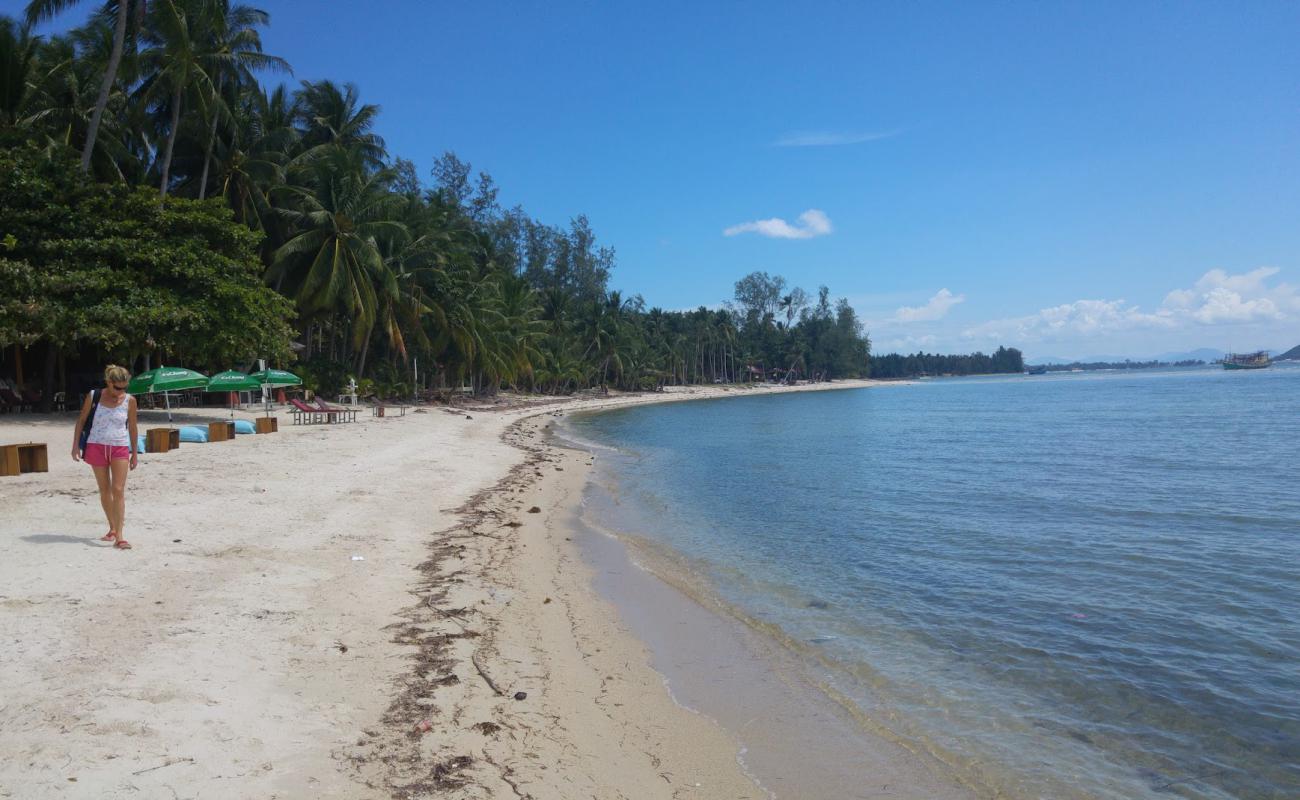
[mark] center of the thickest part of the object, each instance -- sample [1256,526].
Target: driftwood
[491,683]
[168,763]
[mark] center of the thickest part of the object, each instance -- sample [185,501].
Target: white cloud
[936,308]
[1080,318]
[1219,297]
[809,224]
[903,344]
[831,138]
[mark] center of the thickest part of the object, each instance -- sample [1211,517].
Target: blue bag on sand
[193,433]
[244,426]
[139,443]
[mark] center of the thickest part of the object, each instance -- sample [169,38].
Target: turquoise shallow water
[1083,585]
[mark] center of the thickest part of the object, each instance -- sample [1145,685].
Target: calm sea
[1080,585]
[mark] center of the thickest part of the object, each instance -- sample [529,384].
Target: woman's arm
[131,426]
[81,422]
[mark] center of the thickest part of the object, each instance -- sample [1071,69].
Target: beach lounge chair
[346,414]
[304,414]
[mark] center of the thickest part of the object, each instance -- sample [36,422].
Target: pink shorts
[98,455]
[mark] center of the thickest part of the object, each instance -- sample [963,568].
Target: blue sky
[1068,178]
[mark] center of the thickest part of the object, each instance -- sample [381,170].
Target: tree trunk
[171,144]
[365,349]
[212,142]
[47,391]
[105,88]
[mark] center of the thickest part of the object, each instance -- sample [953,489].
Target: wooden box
[15,459]
[268,424]
[221,431]
[160,440]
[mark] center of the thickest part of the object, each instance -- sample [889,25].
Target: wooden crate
[221,431]
[160,440]
[268,424]
[16,459]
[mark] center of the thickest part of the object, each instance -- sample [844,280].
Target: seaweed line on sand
[451,657]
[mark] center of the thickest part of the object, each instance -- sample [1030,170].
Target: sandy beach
[389,608]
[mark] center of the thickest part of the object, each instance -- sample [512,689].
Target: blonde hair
[115,374]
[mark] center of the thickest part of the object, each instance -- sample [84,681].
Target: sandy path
[255,658]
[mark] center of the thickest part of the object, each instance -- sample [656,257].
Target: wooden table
[383,410]
[268,424]
[15,459]
[221,431]
[160,440]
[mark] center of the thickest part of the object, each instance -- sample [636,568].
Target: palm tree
[330,115]
[17,63]
[177,37]
[235,50]
[41,10]
[344,219]
[251,164]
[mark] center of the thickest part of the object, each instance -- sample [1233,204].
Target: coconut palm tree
[42,10]
[330,115]
[177,36]
[17,65]
[251,163]
[234,52]
[345,220]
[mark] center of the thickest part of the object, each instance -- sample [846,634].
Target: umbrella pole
[168,401]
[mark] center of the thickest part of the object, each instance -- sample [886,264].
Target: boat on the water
[1257,360]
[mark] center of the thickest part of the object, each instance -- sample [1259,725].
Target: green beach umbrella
[232,381]
[166,379]
[274,379]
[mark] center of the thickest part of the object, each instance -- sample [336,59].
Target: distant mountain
[1291,355]
[1208,354]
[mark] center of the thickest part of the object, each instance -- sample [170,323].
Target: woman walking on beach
[105,438]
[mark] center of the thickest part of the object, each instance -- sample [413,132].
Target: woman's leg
[105,482]
[120,470]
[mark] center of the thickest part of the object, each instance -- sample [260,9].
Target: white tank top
[110,425]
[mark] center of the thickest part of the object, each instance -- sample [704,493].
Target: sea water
[1077,585]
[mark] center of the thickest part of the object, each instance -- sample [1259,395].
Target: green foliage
[104,267]
[323,375]
[1006,359]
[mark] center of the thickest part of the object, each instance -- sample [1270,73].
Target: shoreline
[241,650]
[798,736]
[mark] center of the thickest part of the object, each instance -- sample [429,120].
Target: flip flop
[123,544]
[108,537]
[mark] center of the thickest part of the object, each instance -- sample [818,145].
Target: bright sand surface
[338,611]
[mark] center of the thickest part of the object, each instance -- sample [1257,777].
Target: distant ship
[1039,370]
[1258,360]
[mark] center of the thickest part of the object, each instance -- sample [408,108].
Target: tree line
[162,204]
[1003,360]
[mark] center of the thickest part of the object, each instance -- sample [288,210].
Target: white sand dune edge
[242,651]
